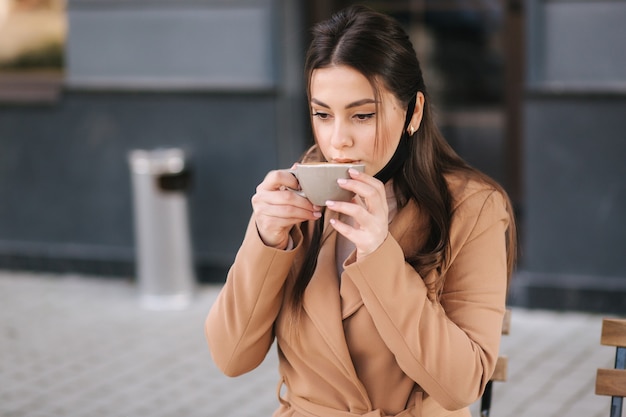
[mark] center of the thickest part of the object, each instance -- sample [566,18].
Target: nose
[341,136]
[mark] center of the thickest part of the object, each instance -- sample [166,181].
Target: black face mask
[402,151]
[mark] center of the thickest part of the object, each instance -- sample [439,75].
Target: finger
[285,182]
[365,242]
[274,221]
[365,190]
[284,204]
[369,197]
[274,180]
[275,203]
[363,177]
[356,211]
[365,223]
[344,229]
[364,185]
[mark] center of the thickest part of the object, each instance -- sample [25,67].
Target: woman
[388,305]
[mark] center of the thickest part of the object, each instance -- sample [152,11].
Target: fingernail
[353,171]
[330,203]
[317,214]
[342,181]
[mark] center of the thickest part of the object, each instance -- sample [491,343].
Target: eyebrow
[348,106]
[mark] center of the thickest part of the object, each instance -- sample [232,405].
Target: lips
[345,161]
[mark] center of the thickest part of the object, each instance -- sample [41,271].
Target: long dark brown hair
[376,45]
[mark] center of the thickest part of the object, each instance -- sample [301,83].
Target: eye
[364,116]
[321,115]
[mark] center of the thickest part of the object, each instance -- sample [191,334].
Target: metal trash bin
[160,179]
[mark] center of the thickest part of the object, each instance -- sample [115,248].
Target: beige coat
[375,341]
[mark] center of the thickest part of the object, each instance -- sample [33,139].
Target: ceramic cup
[318,181]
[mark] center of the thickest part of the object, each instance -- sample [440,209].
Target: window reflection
[32,38]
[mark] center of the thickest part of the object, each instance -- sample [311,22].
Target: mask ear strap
[402,151]
[409,111]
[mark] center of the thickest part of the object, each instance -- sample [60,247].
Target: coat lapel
[324,294]
[409,228]
[322,300]
[322,304]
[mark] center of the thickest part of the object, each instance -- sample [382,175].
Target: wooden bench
[499,374]
[612,382]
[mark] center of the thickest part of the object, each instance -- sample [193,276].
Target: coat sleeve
[239,326]
[448,346]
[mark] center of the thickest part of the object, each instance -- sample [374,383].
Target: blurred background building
[532,92]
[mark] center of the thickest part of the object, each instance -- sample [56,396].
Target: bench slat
[613,332]
[499,374]
[506,322]
[611,382]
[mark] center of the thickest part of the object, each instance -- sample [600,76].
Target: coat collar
[322,300]
[322,304]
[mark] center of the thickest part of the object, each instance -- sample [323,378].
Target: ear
[418,112]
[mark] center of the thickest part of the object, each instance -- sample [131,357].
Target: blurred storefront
[574,172]
[219,79]
[513,91]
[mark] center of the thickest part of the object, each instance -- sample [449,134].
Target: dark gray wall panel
[575,187]
[573,227]
[65,180]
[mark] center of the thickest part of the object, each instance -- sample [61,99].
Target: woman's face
[344,118]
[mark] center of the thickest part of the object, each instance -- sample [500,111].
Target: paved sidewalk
[78,346]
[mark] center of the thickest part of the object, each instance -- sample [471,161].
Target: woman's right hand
[277,209]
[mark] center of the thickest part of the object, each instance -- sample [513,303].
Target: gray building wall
[574,229]
[66,181]
[222,80]
[219,79]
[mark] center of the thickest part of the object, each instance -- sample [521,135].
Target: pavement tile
[74,346]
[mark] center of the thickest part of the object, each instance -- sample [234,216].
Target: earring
[411,130]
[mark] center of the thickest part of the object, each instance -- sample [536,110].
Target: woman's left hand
[368,209]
